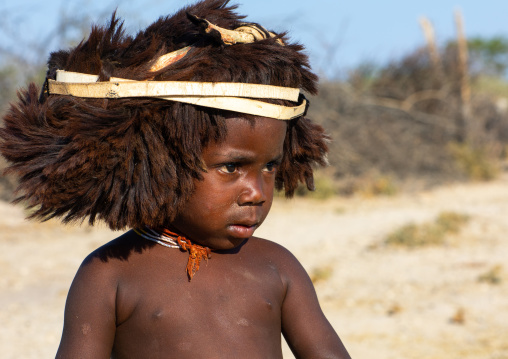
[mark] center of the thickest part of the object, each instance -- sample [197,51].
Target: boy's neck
[171,239]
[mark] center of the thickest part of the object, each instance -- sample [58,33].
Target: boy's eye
[270,167]
[229,168]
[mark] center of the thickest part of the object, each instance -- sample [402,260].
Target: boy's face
[236,192]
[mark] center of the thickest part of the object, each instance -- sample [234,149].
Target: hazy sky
[338,34]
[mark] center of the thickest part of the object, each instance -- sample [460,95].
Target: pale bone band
[226,96]
[247,106]
[117,87]
[241,35]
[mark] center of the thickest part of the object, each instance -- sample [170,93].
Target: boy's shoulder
[277,255]
[270,249]
[120,248]
[113,259]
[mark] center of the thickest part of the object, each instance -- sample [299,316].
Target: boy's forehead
[241,126]
[256,133]
[246,137]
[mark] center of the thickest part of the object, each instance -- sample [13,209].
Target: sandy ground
[383,302]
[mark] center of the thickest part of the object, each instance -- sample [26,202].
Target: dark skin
[131,298]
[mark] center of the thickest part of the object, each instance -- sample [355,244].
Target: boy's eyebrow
[235,157]
[243,157]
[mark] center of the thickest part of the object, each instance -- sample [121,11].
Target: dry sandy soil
[384,302]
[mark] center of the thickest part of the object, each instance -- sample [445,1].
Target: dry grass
[476,163]
[321,274]
[324,184]
[426,234]
[492,276]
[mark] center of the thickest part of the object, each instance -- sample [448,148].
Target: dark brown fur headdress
[133,161]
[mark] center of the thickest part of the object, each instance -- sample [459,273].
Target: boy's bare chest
[227,299]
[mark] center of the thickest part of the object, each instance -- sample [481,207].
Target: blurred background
[408,222]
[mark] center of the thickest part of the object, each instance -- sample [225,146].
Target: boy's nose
[253,191]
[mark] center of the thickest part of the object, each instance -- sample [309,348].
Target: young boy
[180,133]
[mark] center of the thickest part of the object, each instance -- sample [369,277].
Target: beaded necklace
[173,240]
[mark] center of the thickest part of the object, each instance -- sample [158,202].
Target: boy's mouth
[242,230]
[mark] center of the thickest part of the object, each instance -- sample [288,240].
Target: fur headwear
[133,161]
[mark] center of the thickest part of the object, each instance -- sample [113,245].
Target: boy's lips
[242,230]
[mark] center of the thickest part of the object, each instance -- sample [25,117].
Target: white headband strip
[237,97]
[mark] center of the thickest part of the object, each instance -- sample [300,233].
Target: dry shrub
[492,276]
[403,119]
[425,234]
[325,187]
[368,185]
[476,163]
[321,274]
